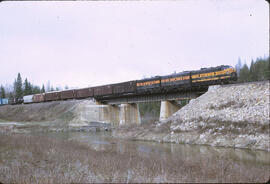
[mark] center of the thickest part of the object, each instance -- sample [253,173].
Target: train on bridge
[183,81]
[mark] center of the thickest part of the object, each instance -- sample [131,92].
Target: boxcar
[4,101]
[84,93]
[124,87]
[38,98]
[28,99]
[11,101]
[103,90]
[51,96]
[68,94]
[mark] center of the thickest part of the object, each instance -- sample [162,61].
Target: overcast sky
[88,43]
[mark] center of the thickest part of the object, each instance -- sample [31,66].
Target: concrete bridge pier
[114,111]
[108,113]
[129,114]
[167,108]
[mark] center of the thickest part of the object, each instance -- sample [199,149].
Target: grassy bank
[28,159]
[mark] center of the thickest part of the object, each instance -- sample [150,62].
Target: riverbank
[230,116]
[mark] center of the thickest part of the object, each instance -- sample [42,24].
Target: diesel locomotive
[183,81]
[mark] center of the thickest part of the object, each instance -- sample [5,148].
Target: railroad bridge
[121,99]
[125,110]
[119,102]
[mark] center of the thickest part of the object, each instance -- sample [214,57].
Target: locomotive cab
[233,73]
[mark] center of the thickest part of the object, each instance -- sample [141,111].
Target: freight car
[84,93]
[4,101]
[124,88]
[67,94]
[52,96]
[39,98]
[14,101]
[28,99]
[103,90]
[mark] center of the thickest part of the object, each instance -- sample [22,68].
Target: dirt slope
[48,111]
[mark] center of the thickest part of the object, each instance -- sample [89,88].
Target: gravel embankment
[231,116]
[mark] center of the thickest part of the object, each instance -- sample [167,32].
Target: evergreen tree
[18,86]
[14,87]
[2,91]
[27,87]
[36,90]
[30,88]
[43,89]
[252,72]
[244,74]
[149,109]
[11,97]
[259,70]
[266,69]
[262,69]
[52,89]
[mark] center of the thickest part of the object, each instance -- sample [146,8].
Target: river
[104,141]
[179,162]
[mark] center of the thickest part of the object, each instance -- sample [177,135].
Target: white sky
[89,43]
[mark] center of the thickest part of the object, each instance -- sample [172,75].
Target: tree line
[20,89]
[257,71]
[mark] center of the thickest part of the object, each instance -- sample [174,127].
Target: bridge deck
[151,98]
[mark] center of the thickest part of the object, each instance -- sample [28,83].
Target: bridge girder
[150,98]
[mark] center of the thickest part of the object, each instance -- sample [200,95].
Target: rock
[224,110]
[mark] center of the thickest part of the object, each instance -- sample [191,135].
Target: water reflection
[104,141]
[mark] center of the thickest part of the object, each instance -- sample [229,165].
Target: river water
[104,141]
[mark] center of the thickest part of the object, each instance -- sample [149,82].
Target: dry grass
[28,159]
